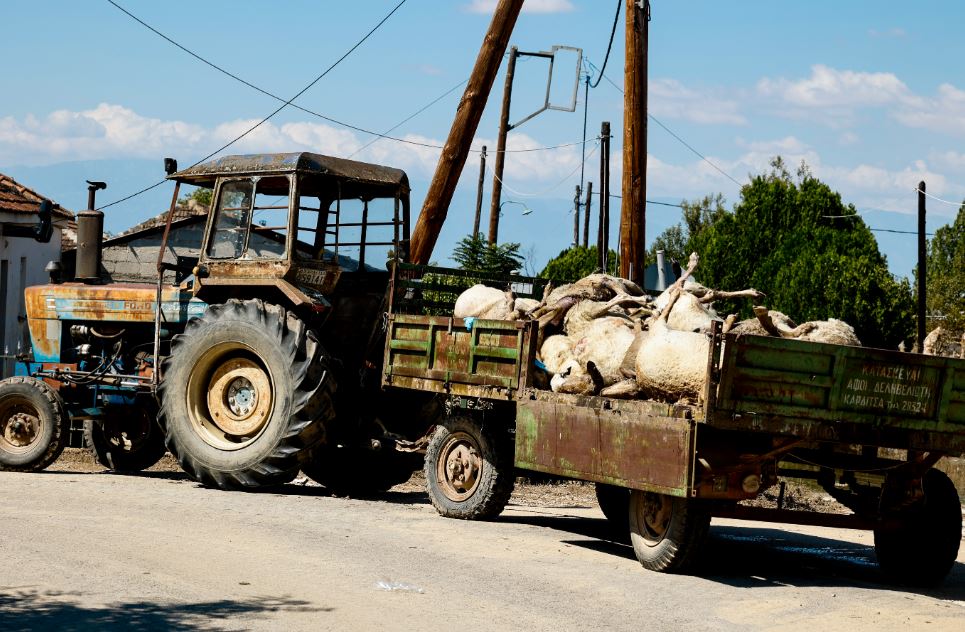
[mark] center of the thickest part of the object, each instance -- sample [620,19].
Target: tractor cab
[295,223]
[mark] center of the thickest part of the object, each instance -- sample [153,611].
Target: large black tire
[667,532]
[923,550]
[246,390]
[34,425]
[614,502]
[469,469]
[347,471]
[127,438]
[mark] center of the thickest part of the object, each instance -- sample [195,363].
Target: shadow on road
[29,609]
[755,556]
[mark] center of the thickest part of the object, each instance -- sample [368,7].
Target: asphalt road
[84,551]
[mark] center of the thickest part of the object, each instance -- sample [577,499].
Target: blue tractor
[234,367]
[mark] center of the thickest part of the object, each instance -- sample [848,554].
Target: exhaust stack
[90,234]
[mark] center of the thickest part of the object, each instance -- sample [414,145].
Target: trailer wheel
[469,470]
[128,438]
[923,550]
[246,389]
[34,425]
[614,502]
[667,532]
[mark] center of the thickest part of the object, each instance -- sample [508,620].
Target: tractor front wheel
[128,438]
[34,425]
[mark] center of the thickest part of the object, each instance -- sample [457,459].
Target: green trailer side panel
[621,443]
[832,384]
[441,354]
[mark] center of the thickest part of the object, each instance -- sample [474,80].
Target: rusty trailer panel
[485,358]
[837,393]
[635,444]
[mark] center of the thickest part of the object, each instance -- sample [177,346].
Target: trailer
[867,425]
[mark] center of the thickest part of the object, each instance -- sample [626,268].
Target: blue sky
[870,94]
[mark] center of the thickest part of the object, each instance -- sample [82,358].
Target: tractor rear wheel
[246,390]
[34,425]
[128,438]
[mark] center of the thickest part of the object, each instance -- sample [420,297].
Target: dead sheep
[481,301]
[671,364]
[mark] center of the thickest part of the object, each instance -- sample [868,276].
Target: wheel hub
[21,429]
[239,397]
[657,510]
[460,468]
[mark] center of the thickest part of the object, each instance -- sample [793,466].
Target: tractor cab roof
[355,179]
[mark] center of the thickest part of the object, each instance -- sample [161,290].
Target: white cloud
[671,99]
[829,87]
[113,131]
[530,6]
[942,113]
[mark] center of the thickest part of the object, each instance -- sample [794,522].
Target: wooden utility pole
[922,272]
[501,146]
[633,239]
[468,113]
[586,214]
[603,230]
[479,191]
[576,217]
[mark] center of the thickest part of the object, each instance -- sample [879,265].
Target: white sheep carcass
[481,301]
[671,364]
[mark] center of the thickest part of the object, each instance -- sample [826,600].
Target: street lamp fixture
[526,209]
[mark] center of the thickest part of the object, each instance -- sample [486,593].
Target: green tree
[810,253]
[577,262]
[677,241]
[201,195]
[474,253]
[945,290]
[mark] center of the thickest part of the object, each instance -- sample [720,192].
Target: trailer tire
[246,390]
[34,425]
[614,502]
[667,532]
[469,469]
[130,443]
[923,550]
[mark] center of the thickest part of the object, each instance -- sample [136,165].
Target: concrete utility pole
[922,272]
[479,191]
[464,126]
[501,146]
[633,238]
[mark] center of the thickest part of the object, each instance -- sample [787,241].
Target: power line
[409,118]
[312,112]
[278,109]
[550,189]
[679,139]
[937,199]
[606,58]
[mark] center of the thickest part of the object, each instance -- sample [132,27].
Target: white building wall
[22,263]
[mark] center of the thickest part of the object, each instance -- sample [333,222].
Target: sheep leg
[718,295]
[621,299]
[765,319]
[729,323]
